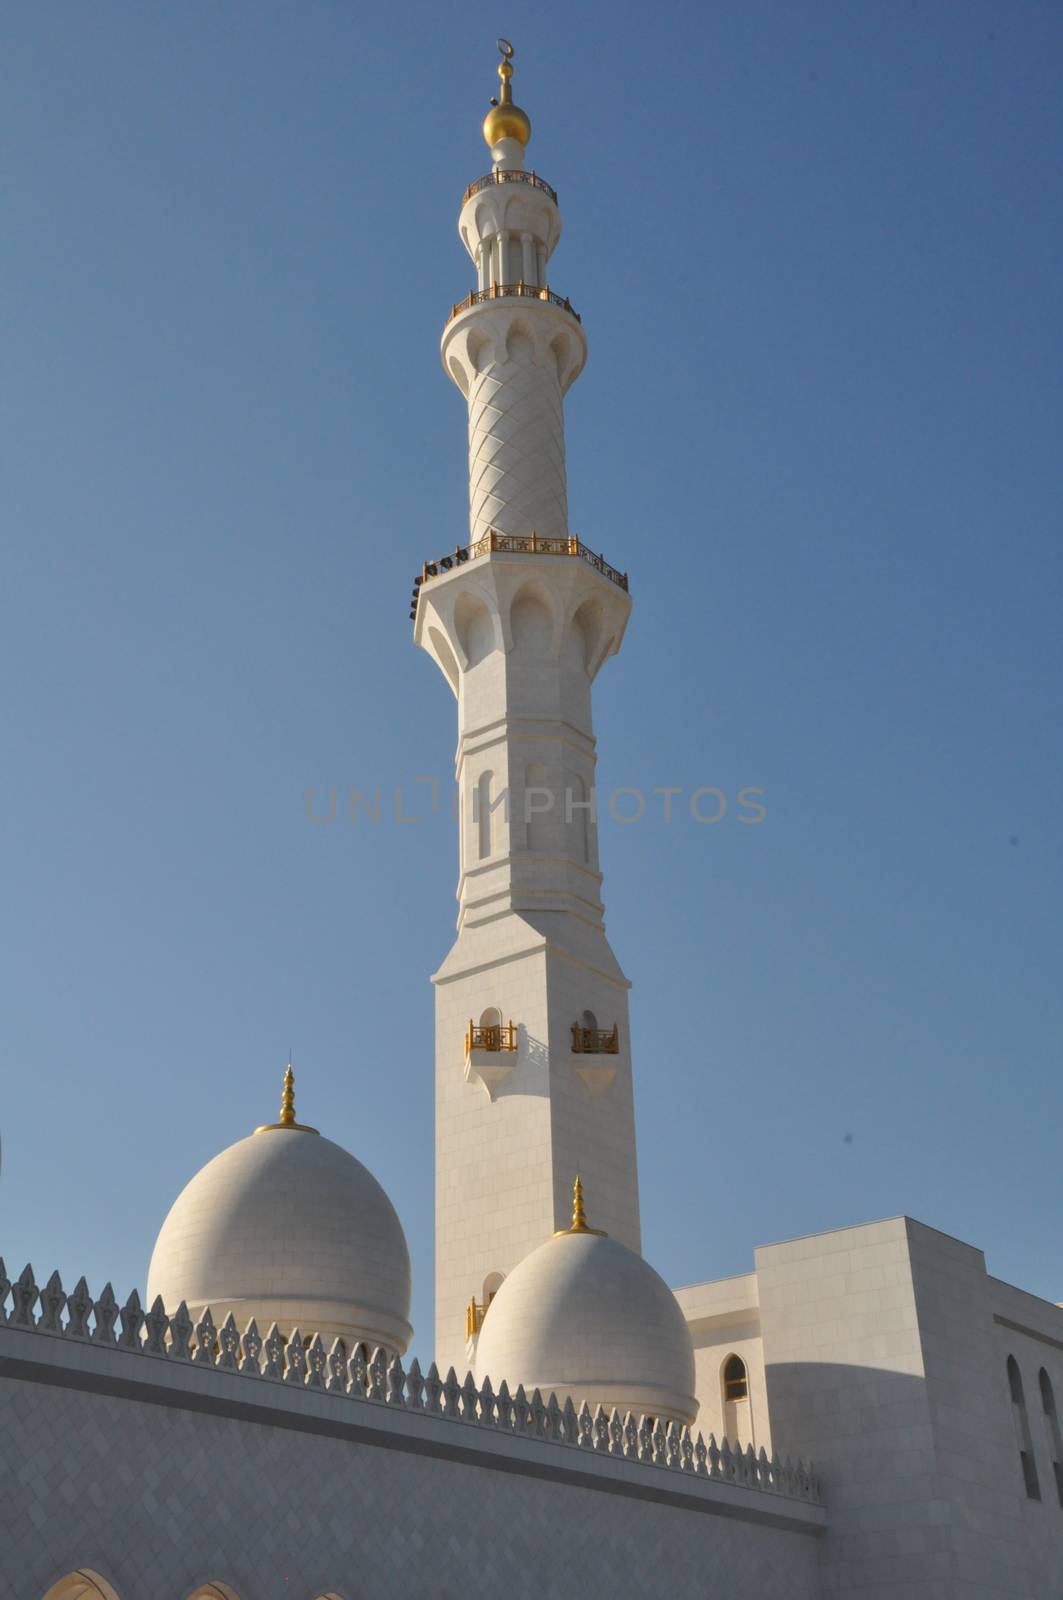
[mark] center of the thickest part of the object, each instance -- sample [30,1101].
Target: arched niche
[531,622]
[474,628]
[445,656]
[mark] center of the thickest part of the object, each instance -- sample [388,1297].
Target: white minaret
[533,1061]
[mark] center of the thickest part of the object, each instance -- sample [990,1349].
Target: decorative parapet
[377,1378]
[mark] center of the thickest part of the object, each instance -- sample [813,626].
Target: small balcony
[495,1036]
[595,1041]
[595,1050]
[490,1054]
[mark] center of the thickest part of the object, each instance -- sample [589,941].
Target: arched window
[483,815]
[84,1584]
[1055,1440]
[1022,1431]
[735,1379]
[737,1416]
[589,1020]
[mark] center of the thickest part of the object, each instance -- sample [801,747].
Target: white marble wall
[164,1476]
[885,1358]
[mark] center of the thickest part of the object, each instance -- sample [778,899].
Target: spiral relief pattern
[517,448]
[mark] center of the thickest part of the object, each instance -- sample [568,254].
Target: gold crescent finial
[287,1120]
[579,1215]
[505,120]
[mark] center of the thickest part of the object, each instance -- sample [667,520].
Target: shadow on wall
[870,1434]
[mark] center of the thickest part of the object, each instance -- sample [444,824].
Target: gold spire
[288,1097]
[579,1216]
[287,1109]
[505,120]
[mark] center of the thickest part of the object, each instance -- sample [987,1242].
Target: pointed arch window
[1055,1439]
[735,1379]
[1022,1431]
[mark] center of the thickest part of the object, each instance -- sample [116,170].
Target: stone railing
[379,1378]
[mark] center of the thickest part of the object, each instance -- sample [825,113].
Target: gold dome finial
[287,1108]
[505,120]
[288,1097]
[579,1216]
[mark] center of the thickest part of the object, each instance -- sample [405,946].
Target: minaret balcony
[490,1054]
[514,544]
[496,1036]
[505,291]
[516,176]
[595,1041]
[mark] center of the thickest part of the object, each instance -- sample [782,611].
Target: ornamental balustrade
[595,1041]
[495,1036]
[522,544]
[506,291]
[489,180]
[379,1378]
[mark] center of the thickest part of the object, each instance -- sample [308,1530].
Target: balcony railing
[503,291]
[532,544]
[595,1041]
[498,176]
[499,1036]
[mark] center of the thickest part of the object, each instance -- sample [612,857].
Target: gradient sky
[816,248]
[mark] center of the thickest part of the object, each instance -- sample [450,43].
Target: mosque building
[866,1413]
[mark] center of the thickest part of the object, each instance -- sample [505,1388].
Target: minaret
[533,1062]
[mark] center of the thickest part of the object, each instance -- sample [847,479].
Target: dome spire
[579,1216]
[287,1116]
[507,128]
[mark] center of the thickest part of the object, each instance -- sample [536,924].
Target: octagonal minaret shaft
[533,1064]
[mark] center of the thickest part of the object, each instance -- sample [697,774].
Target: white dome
[287,1227]
[585,1317]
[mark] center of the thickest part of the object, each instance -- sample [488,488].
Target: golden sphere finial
[505,120]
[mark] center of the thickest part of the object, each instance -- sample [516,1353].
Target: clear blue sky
[817,252]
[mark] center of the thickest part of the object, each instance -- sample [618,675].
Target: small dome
[587,1318]
[287,1227]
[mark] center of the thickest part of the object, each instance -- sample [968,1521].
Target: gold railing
[499,1036]
[595,1041]
[515,544]
[498,176]
[505,291]
[474,1318]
